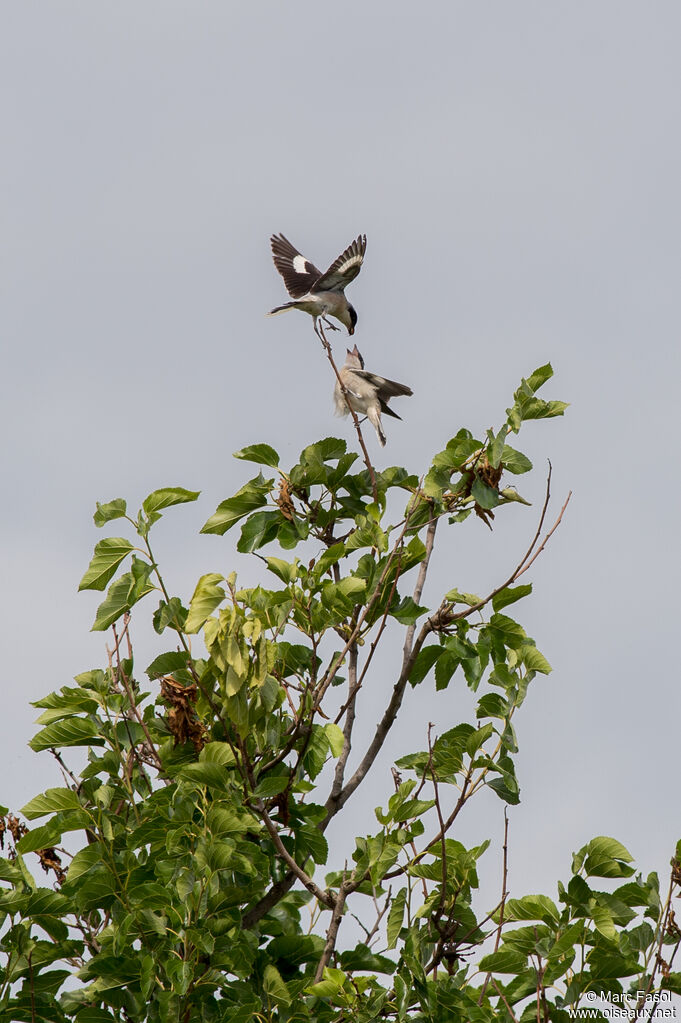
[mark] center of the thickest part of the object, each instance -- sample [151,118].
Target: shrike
[368,393]
[319,294]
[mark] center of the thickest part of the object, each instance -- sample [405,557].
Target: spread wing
[384,388]
[345,268]
[299,273]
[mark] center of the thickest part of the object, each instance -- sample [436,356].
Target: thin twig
[384,621]
[330,673]
[524,564]
[503,998]
[133,706]
[504,895]
[548,536]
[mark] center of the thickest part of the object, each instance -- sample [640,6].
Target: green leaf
[51,801]
[362,958]
[456,597]
[396,916]
[532,907]
[327,450]
[259,529]
[509,595]
[107,557]
[509,631]
[284,570]
[341,596]
[218,753]
[407,612]
[606,857]
[537,409]
[506,786]
[425,659]
[336,738]
[261,454]
[274,986]
[71,732]
[487,497]
[252,495]
[511,495]
[166,664]
[330,557]
[445,666]
[540,376]
[207,596]
[272,785]
[534,660]
[478,739]
[44,837]
[166,497]
[492,705]
[506,960]
[458,450]
[515,461]
[111,510]
[170,615]
[367,533]
[123,594]
[495,446]
[603,922]
[205,772]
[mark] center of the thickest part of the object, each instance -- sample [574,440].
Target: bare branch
[353,688]
[384,726]
[325,897]
[332,933]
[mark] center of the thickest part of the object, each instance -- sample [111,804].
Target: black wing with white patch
[345,268]
[299,273]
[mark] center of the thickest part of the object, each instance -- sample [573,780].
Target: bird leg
[319,331]
[329,324]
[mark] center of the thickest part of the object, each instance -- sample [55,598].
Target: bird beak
[351,331]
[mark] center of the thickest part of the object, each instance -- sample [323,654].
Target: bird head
[353,319]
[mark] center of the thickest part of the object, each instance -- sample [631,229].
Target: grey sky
[516,169]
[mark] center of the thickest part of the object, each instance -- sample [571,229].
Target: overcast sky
[516,169]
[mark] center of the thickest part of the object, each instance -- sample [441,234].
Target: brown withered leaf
[182,719]
[676,872]
[51,860]
[15,827]
[286,506]
[484,513]
[673,929]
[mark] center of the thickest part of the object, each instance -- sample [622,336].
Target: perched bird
[319,294]
[367,392]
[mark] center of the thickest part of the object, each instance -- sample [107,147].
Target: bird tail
[385,408]
[374,417]
[280,309]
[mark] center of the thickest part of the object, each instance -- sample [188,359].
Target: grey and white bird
[368,394]
[319,294]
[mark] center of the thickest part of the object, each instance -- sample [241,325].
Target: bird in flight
[319,294]
[367,393]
